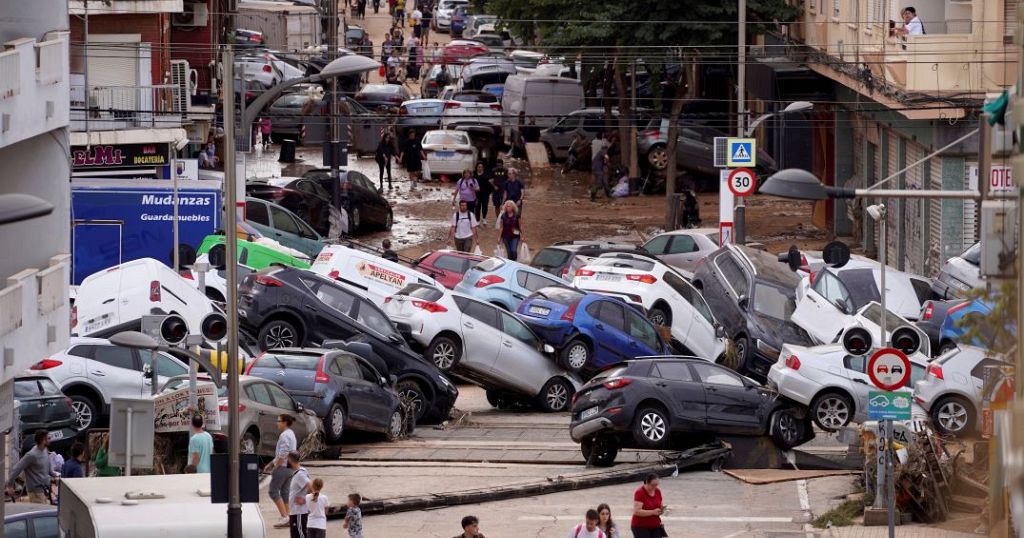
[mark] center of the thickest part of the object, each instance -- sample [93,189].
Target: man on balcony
[911,24]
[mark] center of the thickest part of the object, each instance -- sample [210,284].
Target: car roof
[18,509]
[690,231]
[83,340]
[766,265]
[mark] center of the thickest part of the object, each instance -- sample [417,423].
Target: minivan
[371,276]
[543,99]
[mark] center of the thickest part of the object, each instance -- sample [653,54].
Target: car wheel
[334,423]
[354,220]
[952,415]
[657,157]
[395,426]
[556,395]
[278,333]
[389,220]
[600,450]
[742,350]
[494,398]
[832,410]
[411,392]
[650,427]
[946,347]
[85,410]
[444,352]
[575,356]
[660,315]
[248,445]
[787,430]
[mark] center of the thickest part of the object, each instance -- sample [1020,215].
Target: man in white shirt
[463,228]
[278,468]
[911,24]
[298,487]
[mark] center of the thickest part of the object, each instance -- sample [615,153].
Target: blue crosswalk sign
[741,152]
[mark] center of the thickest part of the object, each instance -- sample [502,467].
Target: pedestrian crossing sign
[741,152]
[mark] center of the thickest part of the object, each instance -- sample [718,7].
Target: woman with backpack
[466,189]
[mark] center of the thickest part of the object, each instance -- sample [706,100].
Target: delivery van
[371,276]
[543,99]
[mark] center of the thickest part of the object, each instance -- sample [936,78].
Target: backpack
[600,533]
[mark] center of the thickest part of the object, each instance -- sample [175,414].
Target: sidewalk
[906,531]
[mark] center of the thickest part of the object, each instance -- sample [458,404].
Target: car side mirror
[842,306]
[719,331]
[743,302]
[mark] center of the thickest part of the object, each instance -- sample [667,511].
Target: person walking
[354,516]
[466,189]
[280,473]
[648,509]
[470,528]
[36,466]
[463,228]
[200,446]
[589,529]
[385,152]
[483,198]
[316,522]
[511,230]
[498,178]
[73,466]
[514,189]
[597,143]
[605,523]
[412,155]
[298,487]
[598,167]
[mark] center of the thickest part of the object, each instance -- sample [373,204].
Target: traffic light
[906,339]
[173,330]
[214,327]
[857,341]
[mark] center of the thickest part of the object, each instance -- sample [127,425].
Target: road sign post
[742,181]
[888,369]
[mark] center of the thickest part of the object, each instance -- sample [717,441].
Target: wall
[153,27]
[196,44]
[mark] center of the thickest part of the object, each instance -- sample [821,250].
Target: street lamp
[795,106]
[798,184]
[145,342]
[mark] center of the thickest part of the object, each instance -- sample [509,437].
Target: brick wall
[155,29]
[196,44]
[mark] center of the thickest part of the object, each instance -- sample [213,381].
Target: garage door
[893,220]
[113,66]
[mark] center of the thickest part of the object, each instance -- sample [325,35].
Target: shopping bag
[524,253]
[499,252]
[382,71]
[426,170]
[477,251]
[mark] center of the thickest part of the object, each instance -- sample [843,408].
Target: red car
[461,50]
[446,266]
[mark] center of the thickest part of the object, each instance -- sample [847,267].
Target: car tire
[832,410]
[413,393]
[600,450]
[334,423]
[278,333]
[394,426]
[660,315]
[249,443]
[389,220]
[952,415]
[788,431]
[556,396]
[946,347]
[87,411]
[657,157]
[494,398]
[575,355]
[354,221]
[445,352]
[650,427]
[742,352]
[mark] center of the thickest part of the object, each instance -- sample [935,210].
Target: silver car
[683,248]
[584,123]
[953,388]
[260,403]
[960,274]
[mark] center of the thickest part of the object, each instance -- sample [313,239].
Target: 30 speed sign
[742,182]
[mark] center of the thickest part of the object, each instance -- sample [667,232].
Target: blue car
[459,17]
[504,283]
[589,330]
[952,333]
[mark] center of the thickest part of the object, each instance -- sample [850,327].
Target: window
[166,365]
[566,124]
[521,278]
[675,371]
[45,527]
[856,363]
[642,330]
[613,314]
[733,275]
[31,388]
[515,328]
[451,263]
[773,302]
[550,257]
[243,255]
[368,374]
[835,7]
[479,311]
[922,288]
[657,245]
[682,244]
[283,221]
[917,373]
[978,372]
[281,398]
[829,286]
[535,281]
[372,319]
[336,299]
[259,394]
[593,124]
[257,212]
[346,367]
[118,357]
[361,181]
[16,529]
[688,293]
[716,375]
[305,230]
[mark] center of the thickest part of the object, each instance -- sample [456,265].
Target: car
[341,388]
[960,274]
[482,343]
[676,402]
[459,16]
[358,40]
[449,152]
[115,299]
[473,111]
[283,226]
[286,307]
[461,50]
[526,60]
[367,208]
[953,387]
[366,273]
[584,124]
[504,283]
[564,258]
[304,198]
[493,42]
[960,319]
[933,314]
[828,298]
[260,402]
[483,73]
[252,256]
[833,383]
[682,249]
[31,520]
[445,266]
[383,95]
[473,22]
[438,77]
[663,293]
[91,371]
[265,69]
[42,406]
[694,151]
[419,116]
[306,119]
[443,13]
[590,331]
[753,297]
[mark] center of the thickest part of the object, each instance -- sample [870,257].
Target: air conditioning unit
[181,79]
[192,15]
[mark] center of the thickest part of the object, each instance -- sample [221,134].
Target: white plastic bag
[524,253]
[477,251]
[499,251]
[497,222]
[426,170]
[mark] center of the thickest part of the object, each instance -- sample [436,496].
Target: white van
[369,275]
[115,299]
[544,99]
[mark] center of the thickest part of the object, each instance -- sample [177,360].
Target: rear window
[550,257]
[475,98]
[381,88]
[562,296]
[287,362]
[33,388]
[640,265]
[973,255]
[445,138]
[610,373]
[419,291]
[490,264]
[292,100]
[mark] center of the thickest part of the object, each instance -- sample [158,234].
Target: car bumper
[65,437]
[791,384]
[451,166]
[554,332]
[589,428]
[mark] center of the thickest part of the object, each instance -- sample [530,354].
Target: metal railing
[125,107]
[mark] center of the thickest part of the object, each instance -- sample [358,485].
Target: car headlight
[445,382]
[768,350]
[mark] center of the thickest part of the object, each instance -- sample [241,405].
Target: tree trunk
[625,111]
[685,87]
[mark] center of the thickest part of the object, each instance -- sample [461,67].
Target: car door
[257,214]
[116,370]
[644,340]
[266,415]
[682,252]
[561,134]
[380,399]
[700,335]
[374,205]
[733,405]
[520,363]
[308,241]
[612,339]
[284,227]
[481,334]
[331,309]
[43,526]
[357,392]
[818,311]
[678,386]
[284,402]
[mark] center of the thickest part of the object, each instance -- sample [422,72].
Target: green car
[252,257]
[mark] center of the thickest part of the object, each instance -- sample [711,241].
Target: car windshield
[291,100]
[287,362]
[381,88]
[632,263]
[420,291]
[550,257]
[973,255]
[562,296]
[773,302]
[35,387]
[446,139]
[489,265]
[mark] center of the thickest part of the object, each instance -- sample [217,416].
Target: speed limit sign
[742,182]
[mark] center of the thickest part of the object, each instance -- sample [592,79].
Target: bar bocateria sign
[106,156]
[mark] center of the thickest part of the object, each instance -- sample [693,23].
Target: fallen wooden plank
[772,476]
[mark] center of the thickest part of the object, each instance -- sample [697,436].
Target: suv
[43,406]
[563,258]
[289,307]
[585,123]
[472,111]
[753,296]
[91,371]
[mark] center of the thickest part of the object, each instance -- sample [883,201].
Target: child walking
[316,523]
[354,516]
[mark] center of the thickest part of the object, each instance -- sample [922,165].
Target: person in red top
[647,510]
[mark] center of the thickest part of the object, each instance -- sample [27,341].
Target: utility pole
[634,165]
[741,112]
[337,143]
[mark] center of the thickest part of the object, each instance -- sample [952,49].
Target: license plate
[609,277]
[445,154]
[587,413]
[55,435]
[540,310]
[98,324]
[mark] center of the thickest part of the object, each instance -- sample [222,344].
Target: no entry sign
[742,182]
[889,368]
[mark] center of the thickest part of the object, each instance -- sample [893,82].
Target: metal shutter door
[1010,16]
[892,205]
[970,206]
[113,67]
[935,257]
[913,218]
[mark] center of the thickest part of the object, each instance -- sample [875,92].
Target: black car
[366,206]
[677,402]
[287,307]
[383,95]
[753,297]
[933,314]
[358,41]
[44,407]
[305,198]
[564,257]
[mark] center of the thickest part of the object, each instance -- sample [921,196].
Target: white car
[683,248]
[266,69]
[443,13]
[367,274]
[91,371]
[960,274]
[115,299]
[953,388]
[829,297]
[472,111]
[831,382]
[665,295]
[449,152]
[483,343]
[526,60]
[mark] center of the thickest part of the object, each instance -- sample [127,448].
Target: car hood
[776,332]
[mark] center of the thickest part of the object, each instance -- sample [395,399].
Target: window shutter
[1010,17]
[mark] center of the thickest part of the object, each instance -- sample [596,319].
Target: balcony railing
[125,107]
[50,62]
[10,73]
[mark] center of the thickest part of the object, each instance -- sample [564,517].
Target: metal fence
[125,107]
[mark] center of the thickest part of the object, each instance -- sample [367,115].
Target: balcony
[113,108]
[33,88]
[34,317]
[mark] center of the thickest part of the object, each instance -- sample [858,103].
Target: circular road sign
[889,368]
[742,182]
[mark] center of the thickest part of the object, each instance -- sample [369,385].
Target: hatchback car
[367,208]
[438,78]
[959,274]
[44,407]
[419,116]
[677,402]
[504,283]
[473,111]
[563,258]
[31,520]
[446,266]
[953,388]
[461,50]
[589,330]
[283,226]
[252,256]
[343,389]
[383,95]
[967,317]
[443,13]
[682,249]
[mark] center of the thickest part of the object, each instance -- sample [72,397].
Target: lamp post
[795,106]
[797,184]
[144,342]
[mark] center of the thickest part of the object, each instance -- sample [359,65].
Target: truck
[119,220]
